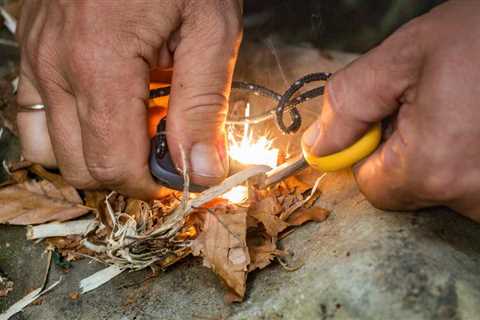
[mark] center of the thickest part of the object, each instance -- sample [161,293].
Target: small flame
[249,151]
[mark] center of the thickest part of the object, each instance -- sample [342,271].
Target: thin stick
[237,179]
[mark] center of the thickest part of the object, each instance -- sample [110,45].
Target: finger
[113,121]
[203,66]
[32,126]
[65,133]
[385,177]
[365,92]
[57,127]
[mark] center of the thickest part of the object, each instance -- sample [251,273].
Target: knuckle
[207,107]
[79,181]
[204,119]
[221,22]
[335,89]
[106,174]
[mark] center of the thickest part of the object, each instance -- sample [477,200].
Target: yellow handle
[349,156]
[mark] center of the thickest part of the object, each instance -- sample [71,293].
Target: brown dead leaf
[262,250]
[19,176]
[266,211]
[93,199]
[134,207]
[68,192]
[74,295]
[290,199]
[222,244]
[251,222]
[35,202]
[301,202]
[311,214]
[269,205]
[273,224]
[293,183]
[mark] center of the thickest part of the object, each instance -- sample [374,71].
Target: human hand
[89,63]
[425,76]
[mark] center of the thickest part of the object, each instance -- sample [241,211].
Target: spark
[249,151]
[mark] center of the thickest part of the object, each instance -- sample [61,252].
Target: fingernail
[206,161]
[311,135]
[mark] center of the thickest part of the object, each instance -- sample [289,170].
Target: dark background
[349,25]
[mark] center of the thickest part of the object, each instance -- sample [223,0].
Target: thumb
[202,73]
[365,92]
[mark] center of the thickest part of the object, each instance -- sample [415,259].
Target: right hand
[89,62]
[426,76]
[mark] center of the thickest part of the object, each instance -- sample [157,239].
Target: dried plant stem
[99,278]
[284,216]
[57,229]
[208,195]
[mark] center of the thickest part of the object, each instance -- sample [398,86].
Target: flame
[248,150]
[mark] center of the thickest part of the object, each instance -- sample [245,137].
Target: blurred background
[346,25]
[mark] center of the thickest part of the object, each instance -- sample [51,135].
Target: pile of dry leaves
[130,234]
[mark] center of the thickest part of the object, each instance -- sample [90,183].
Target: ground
[361,263]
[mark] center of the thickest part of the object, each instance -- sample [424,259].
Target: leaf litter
[129,234]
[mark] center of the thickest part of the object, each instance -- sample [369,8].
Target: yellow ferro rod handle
[349,156]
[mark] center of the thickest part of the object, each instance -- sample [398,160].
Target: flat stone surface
[361,263]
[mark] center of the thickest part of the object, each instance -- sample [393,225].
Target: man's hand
[89,63]
[426,77]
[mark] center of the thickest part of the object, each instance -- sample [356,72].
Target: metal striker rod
[285,170]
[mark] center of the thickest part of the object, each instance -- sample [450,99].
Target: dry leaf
[266,211]
[19,176]
[262,251]
[68,192]
[269,205]
[311,214]
[293,183]
[222,244]
[273,224]
[36,202]
[74,295]
[93,199]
